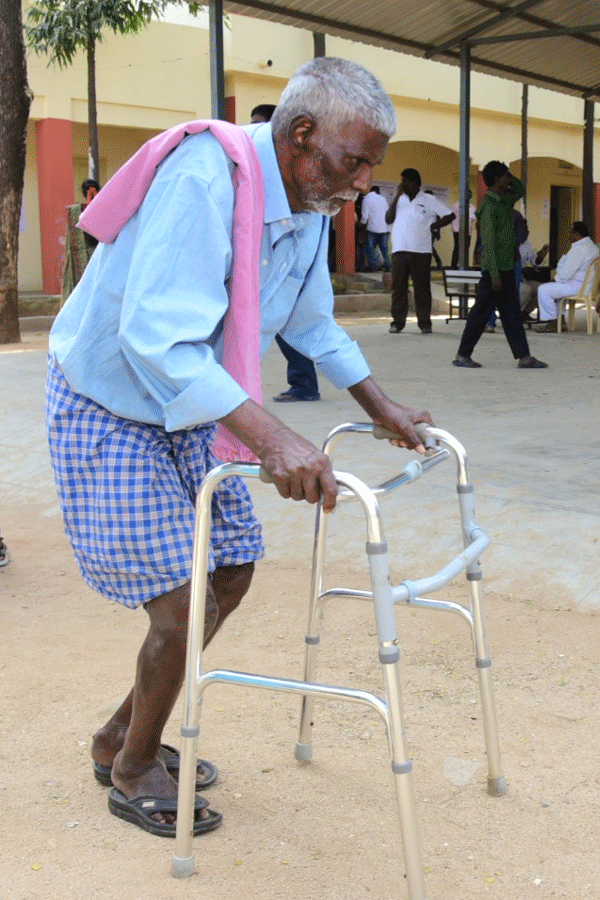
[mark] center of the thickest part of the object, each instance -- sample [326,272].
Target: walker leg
[389,656]
[496,779]
[182,861]
[303,751]
[403,783]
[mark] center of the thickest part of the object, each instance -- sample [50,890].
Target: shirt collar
[277,208]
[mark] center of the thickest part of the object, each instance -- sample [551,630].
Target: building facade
[161,77]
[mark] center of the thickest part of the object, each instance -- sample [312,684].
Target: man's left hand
[403,420]
[390,415]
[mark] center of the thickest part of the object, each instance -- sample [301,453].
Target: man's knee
[230,584]
[168,620]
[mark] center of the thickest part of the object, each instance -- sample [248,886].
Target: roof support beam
[456,40]
[217,63]
[524,141]
[534,35]
[588,200]
[464,151]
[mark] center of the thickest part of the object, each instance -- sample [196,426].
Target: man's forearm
[384,411]
[370,397]
[445,220]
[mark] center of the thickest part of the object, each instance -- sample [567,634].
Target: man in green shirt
[497,287]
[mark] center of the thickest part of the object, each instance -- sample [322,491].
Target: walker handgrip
[264,476]
[383,434]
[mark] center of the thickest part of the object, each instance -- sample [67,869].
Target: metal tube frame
[384,597]
[474,540]
[391,710]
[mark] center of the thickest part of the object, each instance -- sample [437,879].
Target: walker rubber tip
[496,787]
[182,868]
[303,752]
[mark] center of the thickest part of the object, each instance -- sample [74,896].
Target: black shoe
[426,330]
[395,329]
[291,397]
[530,362]
[465,362]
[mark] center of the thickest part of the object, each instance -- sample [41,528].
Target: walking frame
[440,446]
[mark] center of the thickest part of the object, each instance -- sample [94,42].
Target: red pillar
[230,110]
[344,240]
[54,142]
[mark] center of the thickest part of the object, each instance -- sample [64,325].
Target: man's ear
[301,129]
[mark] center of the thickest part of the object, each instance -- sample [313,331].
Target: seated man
[568,279]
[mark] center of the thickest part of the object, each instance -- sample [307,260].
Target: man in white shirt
[414,216]
[456,230]
[569,276]
[374,208]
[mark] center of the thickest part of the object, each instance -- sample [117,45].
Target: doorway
[562,215]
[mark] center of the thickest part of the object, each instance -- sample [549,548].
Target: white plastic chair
[588,294]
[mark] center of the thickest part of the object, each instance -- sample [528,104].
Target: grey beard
[332,205]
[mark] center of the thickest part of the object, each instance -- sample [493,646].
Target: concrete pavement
[531,438]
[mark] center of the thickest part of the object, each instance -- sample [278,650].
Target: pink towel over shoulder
[116,203]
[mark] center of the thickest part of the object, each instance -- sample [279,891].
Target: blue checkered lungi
[127,492]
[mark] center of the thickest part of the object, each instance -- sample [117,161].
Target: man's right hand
[298,469]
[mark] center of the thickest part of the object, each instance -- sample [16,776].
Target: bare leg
[132,735]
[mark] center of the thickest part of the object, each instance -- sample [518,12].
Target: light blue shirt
[141,334]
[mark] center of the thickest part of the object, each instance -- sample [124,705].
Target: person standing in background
[415,217]
[374,208]
[497,286]
[79,246]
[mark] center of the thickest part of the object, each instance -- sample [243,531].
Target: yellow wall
[151,81]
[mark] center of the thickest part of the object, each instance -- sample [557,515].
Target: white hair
[334,92]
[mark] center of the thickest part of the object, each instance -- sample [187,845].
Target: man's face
[336,166]
[502,183]
[409,186]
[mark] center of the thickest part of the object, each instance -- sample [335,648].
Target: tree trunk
[94,159]
[14,112]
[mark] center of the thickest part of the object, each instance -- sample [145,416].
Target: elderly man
[416,217]
[144,359]
[568,278]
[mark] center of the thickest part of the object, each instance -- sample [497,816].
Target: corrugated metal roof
[550,43]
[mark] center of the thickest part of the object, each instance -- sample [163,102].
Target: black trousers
[507,303]
[418,267]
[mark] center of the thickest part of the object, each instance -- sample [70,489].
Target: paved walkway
[531,436]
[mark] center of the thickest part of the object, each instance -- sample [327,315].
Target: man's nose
[362,179]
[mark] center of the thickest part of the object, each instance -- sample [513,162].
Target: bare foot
[109,740]
[145,781]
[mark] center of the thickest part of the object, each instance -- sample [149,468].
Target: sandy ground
[327,829]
